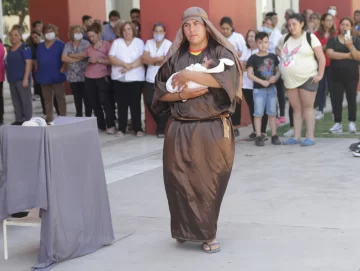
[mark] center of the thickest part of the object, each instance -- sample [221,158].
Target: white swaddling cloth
[199,68]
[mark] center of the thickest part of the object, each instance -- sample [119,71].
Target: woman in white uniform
[154,56]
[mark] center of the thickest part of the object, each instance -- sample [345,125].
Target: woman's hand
[92,60]
[124,70]
[316,79]
[349,43]
[180,79]
[25,83]
[191,93]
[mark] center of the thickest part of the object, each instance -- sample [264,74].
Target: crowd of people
[108,67]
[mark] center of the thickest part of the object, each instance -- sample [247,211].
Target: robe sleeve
[164,73]
[229,79]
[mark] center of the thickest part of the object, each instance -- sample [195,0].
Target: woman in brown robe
[199,145]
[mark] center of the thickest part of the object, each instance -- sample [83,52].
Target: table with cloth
[58,169]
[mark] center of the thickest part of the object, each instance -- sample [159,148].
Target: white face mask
[78,36]
[159,37]
[50,36]
[332,12]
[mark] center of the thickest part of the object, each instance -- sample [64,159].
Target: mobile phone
[86,59]
[347,35]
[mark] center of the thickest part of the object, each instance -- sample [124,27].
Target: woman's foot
[289,133]
[179,241]
[160,135]
[282,120]
[336,129]
[140,134]
[307,142]
[292,141]
[211,247]
[111,131]
[119,134]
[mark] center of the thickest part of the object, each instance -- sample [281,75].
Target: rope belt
[223,119]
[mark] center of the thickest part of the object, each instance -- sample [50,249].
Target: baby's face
[207,63]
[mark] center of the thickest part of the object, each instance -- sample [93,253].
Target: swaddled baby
[208,66]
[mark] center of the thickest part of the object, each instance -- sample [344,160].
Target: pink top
[2,63]
[97,70]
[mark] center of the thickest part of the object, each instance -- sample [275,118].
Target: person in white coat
[154,56]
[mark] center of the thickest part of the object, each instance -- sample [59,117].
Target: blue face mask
[267,30]
[159,37]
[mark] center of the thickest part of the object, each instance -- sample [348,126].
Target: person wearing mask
[284,28]
[269,27]
[18,69]
[2,79]
[97,78]
[314,22]
[154,56]
[333,11]
[86,22]
[50,72]
[325,32]
[76,69]
[128,75]
[344,53]
[108,33]
[199,128]
[237,40]
[302,67]
[135,19]
[248,85]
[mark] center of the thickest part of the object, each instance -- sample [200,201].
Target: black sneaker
[264,136]
[356,153]
[275,140]
[354,146]
[252,136]
[259,141]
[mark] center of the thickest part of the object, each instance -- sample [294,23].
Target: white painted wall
[1,21]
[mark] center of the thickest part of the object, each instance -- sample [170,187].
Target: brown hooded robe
[198,153]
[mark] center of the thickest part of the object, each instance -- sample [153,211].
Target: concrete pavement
[287,208]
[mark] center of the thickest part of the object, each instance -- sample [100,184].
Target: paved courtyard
[287,208]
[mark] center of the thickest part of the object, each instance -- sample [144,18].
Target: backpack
[308,38]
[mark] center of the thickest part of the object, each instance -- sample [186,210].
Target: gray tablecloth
[60,170]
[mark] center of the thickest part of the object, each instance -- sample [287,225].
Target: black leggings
[98,93]
[236,117]
[249,98]
[78,90]
[162,120]
[128,94]
[281,96]
[349,86]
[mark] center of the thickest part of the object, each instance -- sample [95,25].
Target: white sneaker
[111,131]
[336,129]
[290,133]
[319,115]
[352,127]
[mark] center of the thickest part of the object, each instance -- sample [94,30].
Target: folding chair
[31,220]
